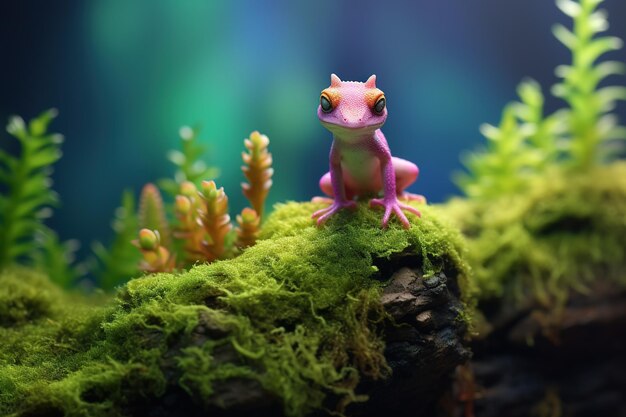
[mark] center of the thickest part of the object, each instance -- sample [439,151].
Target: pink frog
[360,160]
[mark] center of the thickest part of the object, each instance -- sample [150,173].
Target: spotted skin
[360,160]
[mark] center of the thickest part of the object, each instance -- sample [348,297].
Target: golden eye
[380,105]
[325,104]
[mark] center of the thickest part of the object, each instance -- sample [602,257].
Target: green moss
[566,232]
[24,296]
[298,313]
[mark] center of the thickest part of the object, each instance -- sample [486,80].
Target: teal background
[126,74]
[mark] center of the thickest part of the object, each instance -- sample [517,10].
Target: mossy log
[349,318]
[550,269]
[545,363]
[424,351]
[424,342]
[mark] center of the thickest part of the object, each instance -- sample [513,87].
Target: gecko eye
[325,104]
[379,106]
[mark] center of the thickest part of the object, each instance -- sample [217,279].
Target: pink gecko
[360,160]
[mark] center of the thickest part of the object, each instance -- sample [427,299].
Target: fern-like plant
[203,231]
[589,118]
[248,228]
[215,220]
[190,230]
[258,170]
[26,184]
[504,164]
[544,132]
[529,142]
[156,258]
[57,259]
[152,214]
[189,166]
[119,262]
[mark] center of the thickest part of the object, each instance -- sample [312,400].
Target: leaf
[569,7]
[598,47]
[20,249]
[30,205]
[608,68]
[597,21]
[17,127]
[7,160]
[39,125]
[176,157]
[36,183]
[565,36]
[530,93]
[44,158]
[607,96]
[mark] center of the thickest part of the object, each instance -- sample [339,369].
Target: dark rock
[569,363]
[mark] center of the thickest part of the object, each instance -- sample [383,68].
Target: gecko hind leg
[327,188]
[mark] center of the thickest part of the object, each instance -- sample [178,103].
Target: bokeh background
[126,74]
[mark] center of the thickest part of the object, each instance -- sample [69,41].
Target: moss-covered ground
[536,247]
[300,309]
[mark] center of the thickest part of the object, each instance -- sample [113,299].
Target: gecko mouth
[351,127]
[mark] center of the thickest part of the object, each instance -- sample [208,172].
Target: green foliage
[528,142]
[57,259]
[296,313]
[27,201]
[524,144]
[24,296]
[152,212]
[189,166]
[26,180]
[119,262]
[589,120]
[506,162]
[564,234]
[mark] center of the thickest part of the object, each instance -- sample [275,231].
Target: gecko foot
[325,213]
[393,206]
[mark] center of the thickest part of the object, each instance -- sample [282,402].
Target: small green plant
[258,171]
[156,257]
[119,262]
[152,213]
[26,199]
[27,183]
[189,166]
[248,228]
[204,232]
[528,142]
[57,259]
[504,164]
[215,220]
[589,119]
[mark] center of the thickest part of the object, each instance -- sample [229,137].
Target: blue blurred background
[126,74]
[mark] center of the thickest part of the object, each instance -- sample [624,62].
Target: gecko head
[352,106]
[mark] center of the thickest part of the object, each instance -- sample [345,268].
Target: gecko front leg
[390,199]
[339,191]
